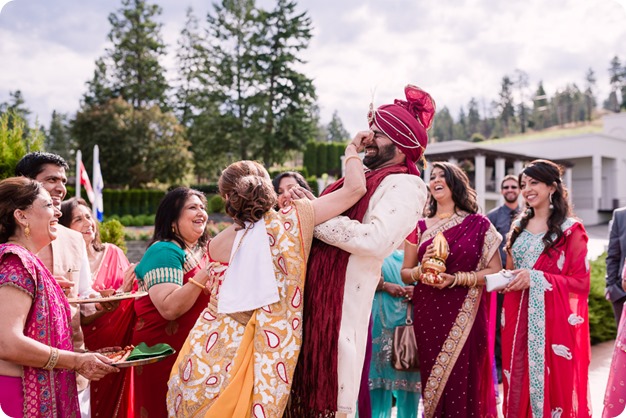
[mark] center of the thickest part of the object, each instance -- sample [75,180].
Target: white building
[595,161]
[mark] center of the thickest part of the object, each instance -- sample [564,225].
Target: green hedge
[323,158]
[601,318]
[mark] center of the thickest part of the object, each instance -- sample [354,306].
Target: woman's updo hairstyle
[247,191]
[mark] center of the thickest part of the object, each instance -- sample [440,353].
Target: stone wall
[135,250]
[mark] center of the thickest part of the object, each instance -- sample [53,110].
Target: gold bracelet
[475,278]
[456,277]
[195,283]
[345,161]
[53,359]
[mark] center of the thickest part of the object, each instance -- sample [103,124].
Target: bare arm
[409,263]
[353,188]
[18,349]
[173,300]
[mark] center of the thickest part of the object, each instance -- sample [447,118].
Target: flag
[84,181]
[98,185]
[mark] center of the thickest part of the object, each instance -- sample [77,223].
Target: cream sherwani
[392,213]
[66,256]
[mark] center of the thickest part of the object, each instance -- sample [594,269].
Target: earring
[551,205]
[173,230]
[27,230]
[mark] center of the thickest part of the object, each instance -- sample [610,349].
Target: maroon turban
[406,123]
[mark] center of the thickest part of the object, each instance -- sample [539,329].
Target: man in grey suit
[615,262]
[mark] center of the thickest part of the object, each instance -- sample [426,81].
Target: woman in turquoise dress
[389,311]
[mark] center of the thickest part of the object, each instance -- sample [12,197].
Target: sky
[361,50]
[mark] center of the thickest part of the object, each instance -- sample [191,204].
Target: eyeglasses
[509,187]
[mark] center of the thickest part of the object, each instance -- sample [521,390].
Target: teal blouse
[163,262]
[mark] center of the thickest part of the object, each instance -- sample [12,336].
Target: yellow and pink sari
[231,369]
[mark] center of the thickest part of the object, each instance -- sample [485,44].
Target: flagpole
[96,162]
[79,159]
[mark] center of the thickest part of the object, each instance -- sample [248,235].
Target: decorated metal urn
[437,263]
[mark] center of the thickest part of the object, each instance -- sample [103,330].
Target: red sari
[545,329]
[149,383]
[108,398]
[452,325]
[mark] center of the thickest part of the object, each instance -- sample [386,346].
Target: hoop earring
[551,206]
[27,230]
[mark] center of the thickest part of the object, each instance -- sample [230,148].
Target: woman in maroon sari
[451,316]
[173,271]
[37,363]
[545,326]
[112,325]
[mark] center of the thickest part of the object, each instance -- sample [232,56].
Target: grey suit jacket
[615,256]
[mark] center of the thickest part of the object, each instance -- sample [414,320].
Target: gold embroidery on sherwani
[463,323]
[201,372]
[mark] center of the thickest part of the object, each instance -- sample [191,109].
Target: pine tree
[617,78]
[540,108]
[590,99]
[521,83]
[336,130]
[443,126]
[506,104]
[193,64]
[473,117]
[58,138]
[131,67]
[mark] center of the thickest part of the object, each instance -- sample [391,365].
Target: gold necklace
[443,215]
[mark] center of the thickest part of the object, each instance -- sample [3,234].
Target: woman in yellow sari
[239,358]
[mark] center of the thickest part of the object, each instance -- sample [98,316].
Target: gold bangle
[456,277]
[345,161]
[53,359]
[195,283]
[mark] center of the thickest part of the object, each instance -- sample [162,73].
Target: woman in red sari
[451,317]
[545,328]
[173,271]
[112,325]
[37,363]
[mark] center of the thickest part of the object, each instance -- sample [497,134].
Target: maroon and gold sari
[451,325]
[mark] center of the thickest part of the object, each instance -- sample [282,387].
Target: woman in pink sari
[615,395]
[451,317]
[545,328]
[111,325]
[37,362]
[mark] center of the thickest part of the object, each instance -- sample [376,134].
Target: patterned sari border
[450,351]
[536,342]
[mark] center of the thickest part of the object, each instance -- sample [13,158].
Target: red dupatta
[114,329]
[560,280]
[315,385]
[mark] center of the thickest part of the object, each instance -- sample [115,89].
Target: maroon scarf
[315,387]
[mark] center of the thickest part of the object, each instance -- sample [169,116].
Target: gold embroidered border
[451,350]
[443,226]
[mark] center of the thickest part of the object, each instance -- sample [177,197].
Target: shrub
[113,231]
[216,204]
[127,220]
[601,319]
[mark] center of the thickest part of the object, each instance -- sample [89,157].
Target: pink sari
[545,329]
[108,398]
[615,395]
[49,394]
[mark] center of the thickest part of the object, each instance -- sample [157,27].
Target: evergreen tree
[443,126]
[617,78]
[192,64]
[16,109]
[473,117]
[131,67]
[58,138]
[590,99]
[336,130]
[506,104]
[460,128]
[288,95]
[521,83]
[540,108]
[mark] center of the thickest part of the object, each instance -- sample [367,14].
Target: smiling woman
[37,361]
[173,271]
[110,326]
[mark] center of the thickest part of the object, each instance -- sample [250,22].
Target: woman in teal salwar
[389,311]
